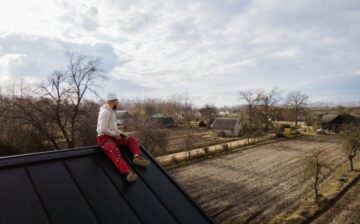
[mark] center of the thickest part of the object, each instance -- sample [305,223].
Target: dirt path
[346,210]
[254,185]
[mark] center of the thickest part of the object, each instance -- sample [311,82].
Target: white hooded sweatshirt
[107,124]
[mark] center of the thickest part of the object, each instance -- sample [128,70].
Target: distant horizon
[208,50]
[197,106]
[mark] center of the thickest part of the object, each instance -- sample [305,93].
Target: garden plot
[254,185]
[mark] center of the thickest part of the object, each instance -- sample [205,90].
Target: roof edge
[46,155]
[179,187]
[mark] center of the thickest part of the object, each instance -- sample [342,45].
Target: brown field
[254,185]
[200,137]
[345,211]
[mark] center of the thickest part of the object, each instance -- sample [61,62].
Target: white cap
[111,96]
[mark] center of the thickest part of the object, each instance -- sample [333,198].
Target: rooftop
[225,123]
[83,186]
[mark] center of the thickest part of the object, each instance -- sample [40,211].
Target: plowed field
[346,210]
[254,185]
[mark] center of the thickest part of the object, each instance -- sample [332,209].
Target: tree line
[57,113]
[53,114]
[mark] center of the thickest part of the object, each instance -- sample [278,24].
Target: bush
[6,150]
[202,124]
[225,147]
[151,134]
[176,160]
[221,134]
[206,149]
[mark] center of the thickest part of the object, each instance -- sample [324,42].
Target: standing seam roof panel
[167,191]
[107,202]
[19,202]
[49,178]
[83,186]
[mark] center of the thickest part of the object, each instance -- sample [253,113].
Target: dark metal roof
[123,114]
[83,186]
[225,123]
[328,118]
[165,121]
[340,119]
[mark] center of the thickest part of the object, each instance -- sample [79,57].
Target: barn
[227,126]
[335,122]
[165,121]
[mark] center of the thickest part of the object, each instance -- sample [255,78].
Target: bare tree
[5,148]
[187,111]
[3,106]
[26,126]
[34,112]
[151,134]
[151,106]
[209,112]
[87,123]
[54,108]
[252,98]
[315,169]
[66,91]
[251,122]
[268,101]
[189,142]
[351,143]
[177,106]
[296,101]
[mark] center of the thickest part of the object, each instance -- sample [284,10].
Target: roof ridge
[46,155]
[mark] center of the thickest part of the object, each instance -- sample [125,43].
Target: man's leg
[131,142]
[112,151]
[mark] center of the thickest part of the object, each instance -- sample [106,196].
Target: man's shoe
[131,176]
[138,160]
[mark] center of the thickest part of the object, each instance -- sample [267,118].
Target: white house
[227,126]
[124,118]
[224,113]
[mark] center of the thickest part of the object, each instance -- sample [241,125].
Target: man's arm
[119,132]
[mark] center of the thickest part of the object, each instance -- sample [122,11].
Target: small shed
[335,122]
[227,126]
[165,121]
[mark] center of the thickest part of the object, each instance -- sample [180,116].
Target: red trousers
[110,146]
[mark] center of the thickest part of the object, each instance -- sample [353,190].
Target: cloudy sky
[209,49]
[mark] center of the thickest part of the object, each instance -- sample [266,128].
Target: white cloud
[248,62]
[8,62]
[288,53]
[209,49]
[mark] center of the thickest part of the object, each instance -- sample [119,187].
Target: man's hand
[123,135]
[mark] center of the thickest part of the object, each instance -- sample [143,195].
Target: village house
[279,122]
[224,113]
[124,119]
[318,115]
[165,121]
[197,114]
[335,122]
[227,126]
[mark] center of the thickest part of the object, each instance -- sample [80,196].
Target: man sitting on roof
[109,137]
